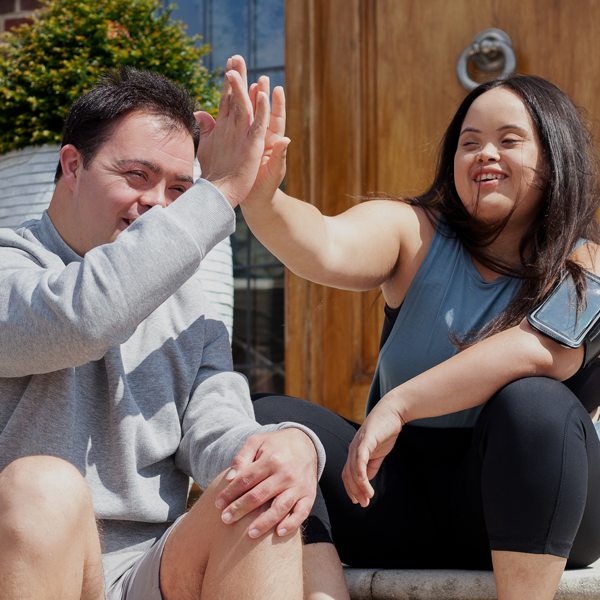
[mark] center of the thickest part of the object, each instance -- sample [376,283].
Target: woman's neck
[504,249]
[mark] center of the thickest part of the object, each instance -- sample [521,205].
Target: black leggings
[525,479]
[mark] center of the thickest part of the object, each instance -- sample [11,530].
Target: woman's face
[497,160]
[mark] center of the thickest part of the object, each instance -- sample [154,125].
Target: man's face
[143,164]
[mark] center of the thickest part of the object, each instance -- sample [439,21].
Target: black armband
[558,318]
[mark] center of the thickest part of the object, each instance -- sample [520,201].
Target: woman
[433,478]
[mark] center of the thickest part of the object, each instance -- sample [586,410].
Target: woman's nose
[489,153]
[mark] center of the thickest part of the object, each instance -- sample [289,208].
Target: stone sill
[374,584]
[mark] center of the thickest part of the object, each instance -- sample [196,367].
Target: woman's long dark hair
[570,193]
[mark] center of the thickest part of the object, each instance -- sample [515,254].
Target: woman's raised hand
[272,167]
[371,444]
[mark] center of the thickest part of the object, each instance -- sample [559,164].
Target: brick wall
[15,12]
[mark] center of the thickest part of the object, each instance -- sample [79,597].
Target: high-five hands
[232,147]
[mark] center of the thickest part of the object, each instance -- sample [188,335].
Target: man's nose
[489,153]
[154,197]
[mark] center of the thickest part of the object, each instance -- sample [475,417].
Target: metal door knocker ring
[491,50]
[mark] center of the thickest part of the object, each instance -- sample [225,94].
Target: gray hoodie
[117,363]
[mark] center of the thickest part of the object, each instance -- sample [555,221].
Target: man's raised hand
[232,147]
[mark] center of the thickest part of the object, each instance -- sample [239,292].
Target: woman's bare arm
[357,250]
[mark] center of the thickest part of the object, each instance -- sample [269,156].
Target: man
[116,383]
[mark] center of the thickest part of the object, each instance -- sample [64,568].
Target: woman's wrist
[395,402]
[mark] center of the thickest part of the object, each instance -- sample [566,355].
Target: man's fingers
[261,118]
[225,95]
[294,520]
[239,100]
[251,500]
[239,64]
[241,475]
[280,507]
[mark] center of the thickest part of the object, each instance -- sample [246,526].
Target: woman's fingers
[371,444]
[354,475]
[252,92]
[277,121]
[264,85]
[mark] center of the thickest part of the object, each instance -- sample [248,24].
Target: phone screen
[559,312]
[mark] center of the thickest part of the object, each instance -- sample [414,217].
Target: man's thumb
[205,121]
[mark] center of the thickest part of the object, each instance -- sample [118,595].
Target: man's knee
[202,547]
[42,500]
[205,520]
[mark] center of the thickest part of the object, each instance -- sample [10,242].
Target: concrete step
[409,584]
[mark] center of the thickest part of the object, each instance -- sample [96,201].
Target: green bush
[47,65]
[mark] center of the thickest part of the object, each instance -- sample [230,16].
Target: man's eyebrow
[184,178]
[141,161]
[154,168]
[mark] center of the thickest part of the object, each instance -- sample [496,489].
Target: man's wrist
[320,450]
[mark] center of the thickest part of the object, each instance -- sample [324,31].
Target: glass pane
[254,29]
[247,250]
[269,29]
[258,324]
[276,75]
[264,381]
[191,13]
[229,32]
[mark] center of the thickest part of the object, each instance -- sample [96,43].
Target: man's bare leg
[205,558]
[323,573]
[50,547]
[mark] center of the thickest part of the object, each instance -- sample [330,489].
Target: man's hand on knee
[280,467]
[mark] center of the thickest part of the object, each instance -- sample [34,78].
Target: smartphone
[558,318]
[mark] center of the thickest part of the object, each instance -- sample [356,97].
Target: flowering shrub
[45,66]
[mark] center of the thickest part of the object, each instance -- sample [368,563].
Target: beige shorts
[135,575]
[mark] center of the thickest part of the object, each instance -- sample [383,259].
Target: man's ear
[71,163]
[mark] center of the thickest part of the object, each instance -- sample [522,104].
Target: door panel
[371,86]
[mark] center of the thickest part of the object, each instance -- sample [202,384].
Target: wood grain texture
[371,87]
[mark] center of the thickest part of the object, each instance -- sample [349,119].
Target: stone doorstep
[409,584]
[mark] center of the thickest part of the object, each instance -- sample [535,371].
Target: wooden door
[371,86]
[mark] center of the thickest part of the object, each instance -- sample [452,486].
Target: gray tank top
[447,295]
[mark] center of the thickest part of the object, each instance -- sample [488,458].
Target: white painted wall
[26,187]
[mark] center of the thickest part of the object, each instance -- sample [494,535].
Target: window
[254,29]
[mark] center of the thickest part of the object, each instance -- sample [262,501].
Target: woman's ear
[71,163]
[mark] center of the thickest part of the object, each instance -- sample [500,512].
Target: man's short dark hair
[92,118]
